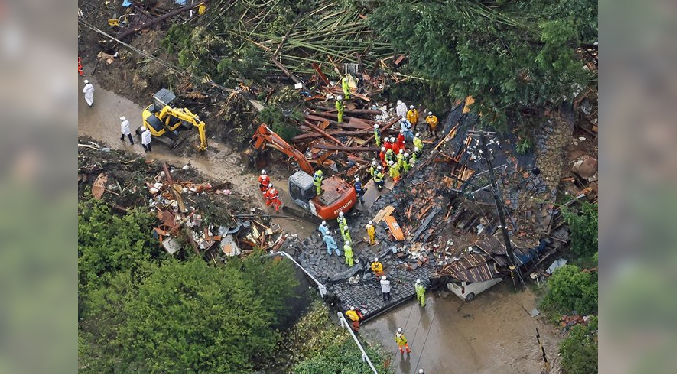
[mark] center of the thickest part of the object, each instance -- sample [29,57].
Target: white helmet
[383,277]
[324,223]
[399,329]
[339,97]
[371,223]
[375,259]
[383,149]
[398,101]
[357,179]
[373,162]
[392,139]
[418,134]
[376,126]
[401,151]
[270,185]
[430,113]
[418,280]
[391,163]
[411,107]
[406,155]
[415,149]
[420,371]
[380,167]
[263,171]
[341,214]
[86,81]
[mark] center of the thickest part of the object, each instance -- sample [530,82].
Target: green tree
[512,56]
[570,289]
[579,349]
[583,227]
[284,125]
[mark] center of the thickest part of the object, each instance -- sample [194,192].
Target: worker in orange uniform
[264,181]
[354,315]
[396,146]
[400,139]
[371,232]
[387,144]
[401,341]
[382,156]
[412,116]
[431,120]
[273,198]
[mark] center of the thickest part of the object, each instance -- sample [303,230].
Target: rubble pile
[190,209]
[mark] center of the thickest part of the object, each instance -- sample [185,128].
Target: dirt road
[492,334]
[220,163]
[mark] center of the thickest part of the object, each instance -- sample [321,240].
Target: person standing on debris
[385,288]
[268,195]
[401,341]
[377,268]
[377,135]
[355,316]
[124,126]
[331,244]
[371,232]
[324,229]
[400,138]
[387,144]
[401,109]
[405,162]
[378,178]
[418,152]
[372,168]
[412,116]
[339,108]
[359,190]
[382,156]
[88,90]
[394,171]
[341,221]
[348,251]
[396,146]
[346,88]
[420,292]
[400,160]
[317,181]
[145,139]
[345,233]
[264,181]
[418,143]
[274,197]
[432,124]
[390,156]
[406,125]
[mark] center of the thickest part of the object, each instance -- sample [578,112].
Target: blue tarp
[126,3]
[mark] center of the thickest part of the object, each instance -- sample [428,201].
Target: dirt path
[491,334]
[220,163]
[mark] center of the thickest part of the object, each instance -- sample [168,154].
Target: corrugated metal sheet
[472,267]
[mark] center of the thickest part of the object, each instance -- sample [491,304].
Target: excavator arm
[186,115]
[264,137]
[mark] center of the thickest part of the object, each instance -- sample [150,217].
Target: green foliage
[579,349]
[108,244]
[284,125]
[339,358]
[511,55]
[570,289]
[523,146]
[583,227]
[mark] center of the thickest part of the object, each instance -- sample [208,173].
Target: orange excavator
[337,195]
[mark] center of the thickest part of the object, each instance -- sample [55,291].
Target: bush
[284,125]
[570,289]
[583,227]
[579,349]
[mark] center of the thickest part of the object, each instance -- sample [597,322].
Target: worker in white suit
[88,90]
[124,126]
[145,139]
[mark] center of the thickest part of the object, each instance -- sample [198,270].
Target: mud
[219,163]
[492,334]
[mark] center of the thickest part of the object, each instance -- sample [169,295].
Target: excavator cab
[301,189]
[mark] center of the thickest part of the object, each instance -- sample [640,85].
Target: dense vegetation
[583,227]
[141,311]
[579,349]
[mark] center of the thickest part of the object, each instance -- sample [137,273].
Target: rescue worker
[272,197]
[412,116]
[324,228]
[385,288]
[331,244]
[378,178]
[345,233]
[341,221]
[355,316]
[382,156]
[317,181]
[348,252]
[264,181]
[377,135]
[387,144]
[418,143]
[377,268]
[372,168]
[124,127]
[390,156]
[400,138]
[432,124]
[401,109]
[346,88]
[418,152]
[359,190]
[420,292]
[396,146]
[401,341]
[88,90]
[406,125]
[371,233]
[339,108]
[405,162]
[400,160]
[394,171]
[145,139]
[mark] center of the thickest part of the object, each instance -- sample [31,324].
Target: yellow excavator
[164,121]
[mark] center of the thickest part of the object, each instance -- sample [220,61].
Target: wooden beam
[324,133]
[346,149]
[144,25]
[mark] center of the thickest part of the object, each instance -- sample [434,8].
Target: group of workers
[270,193]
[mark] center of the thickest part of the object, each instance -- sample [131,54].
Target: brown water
[101,122]
[491,334]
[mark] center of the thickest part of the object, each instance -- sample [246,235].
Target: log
[313,135]
[324,133]
[350,111]
[144,25]
[346,149]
